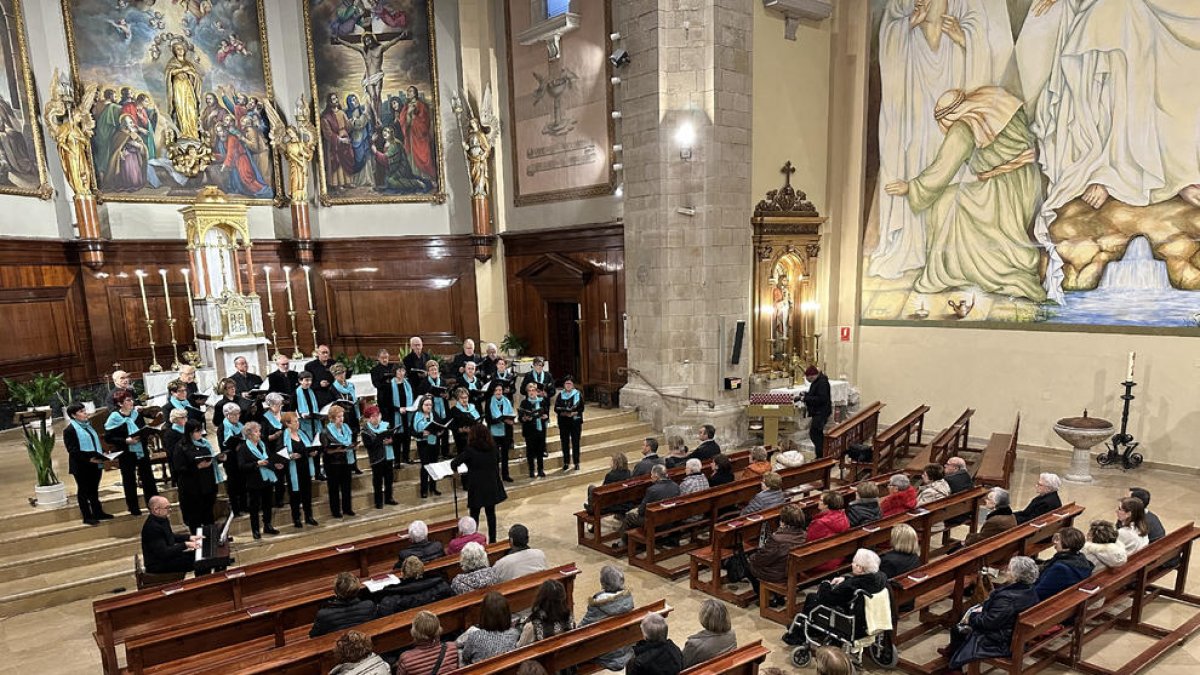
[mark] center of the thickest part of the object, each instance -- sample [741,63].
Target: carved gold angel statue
[479,136]
[71,125]
[297,143]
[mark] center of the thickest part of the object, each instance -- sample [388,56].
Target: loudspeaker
[738,334]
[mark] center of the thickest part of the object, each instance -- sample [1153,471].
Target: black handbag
[859,452]
[737,567]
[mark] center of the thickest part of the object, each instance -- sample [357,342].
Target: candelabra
[1121,447]
[296,353]
[274,335]
[312,318]
[196,337]
[154,366]
[175,364]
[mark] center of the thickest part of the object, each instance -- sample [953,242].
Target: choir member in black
[487,366]
[163,551]
[229,437]
[320,368]
[272,433]
[382,371]
[284,380]
[187,375]
[337,442]
[397,402]
[503,375]
[463,416]
[415,360]
[245,380]
[428,434]
[534,412]
[169,439]
[484,488]
[569,408]
[228,390]
[86,458]
[458,367]
[436,387]
[198,465]
[477,389]
[259,473]
[343,390]
[309,410]
[300,468]
[121,382]
[501,417]
[123,431]
[177,399]
[540,376]
[378,440]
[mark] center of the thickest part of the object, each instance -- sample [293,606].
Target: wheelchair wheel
[884,653]
[801,656]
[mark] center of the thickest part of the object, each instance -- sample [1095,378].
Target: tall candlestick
[166,293]
[1129,374]
[308,286]
[287,275]
[270,300]
[142,284]
[187,288]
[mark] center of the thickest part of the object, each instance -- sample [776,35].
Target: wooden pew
[858,428]
[275,620]
[133,614]
[669,517]
[1092,618]
[995,465]
[314,656]
[574,648]
[804,560]
[745,660]
[605,497]
[951,441]
[888,445]
[947,578]
[748,528]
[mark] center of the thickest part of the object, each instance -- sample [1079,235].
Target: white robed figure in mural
[1112,87]
[926,47]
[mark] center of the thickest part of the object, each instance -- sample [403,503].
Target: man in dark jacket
[284,380]
[322,377]
[382,371]
[649,457]
[414,590]
[415,360]
[999,518]
[708,447]
[655,654]
[986,630]
[1067,567]
[819,404]
[419,545]
[243,379]
[346,610]
[866,508]
[957,476]
[1046,500]
[164,551]
[661,488]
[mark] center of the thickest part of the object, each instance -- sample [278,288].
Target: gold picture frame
[31,109]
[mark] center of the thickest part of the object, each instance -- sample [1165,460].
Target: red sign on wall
[844,333]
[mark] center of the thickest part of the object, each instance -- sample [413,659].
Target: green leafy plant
[86,395]
[40,390]
[359,364]
[514,343]
[39,443]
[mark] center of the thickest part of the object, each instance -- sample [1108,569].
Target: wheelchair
[828,626]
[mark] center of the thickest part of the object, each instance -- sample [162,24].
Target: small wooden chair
[148,579]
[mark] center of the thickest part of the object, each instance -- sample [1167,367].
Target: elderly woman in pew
[612,599]
[1102,548]
[905,554]
[716,638]
[986,630]
[1067,567]
[769,561]
[933,485]
[999,518]
[901,496]
[865,509]
[655,653]
[476,573]
[419,544]
[1045,501]
[346,610]
[355,654]
[414,590]
[428,655]
[840,593]
[830,520]
[770,495]
[494,634]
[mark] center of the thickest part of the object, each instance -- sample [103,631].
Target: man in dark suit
[284,380]
[957,476]
[322,377]
[121,382]
[708,447]
[242,377]
[1045,501]
[382,372]
[164,551]
[649,458]
[819,405]
[661,488]
[459,364]
[414,361]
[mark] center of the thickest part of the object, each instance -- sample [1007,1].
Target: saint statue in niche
[781,299]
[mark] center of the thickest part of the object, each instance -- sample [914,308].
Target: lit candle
[270,300]
[308,286]
[187,288]
[142,284]
[606,311]
[287,275]
[1129,375]
[578,312]
[166,293]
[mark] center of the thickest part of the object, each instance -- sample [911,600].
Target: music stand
[440,470]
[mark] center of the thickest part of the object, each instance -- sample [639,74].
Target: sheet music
[265,386]
[112,456]
[375,584]
[285,454]
[160,401]
[440,470]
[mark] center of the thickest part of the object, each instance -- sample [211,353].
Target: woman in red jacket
[830,520]
[901,496]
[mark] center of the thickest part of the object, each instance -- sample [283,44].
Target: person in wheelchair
[842,595]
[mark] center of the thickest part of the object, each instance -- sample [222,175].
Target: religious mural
[191,76]
[22,156]
[1032,165]
[561,129]
[373,70]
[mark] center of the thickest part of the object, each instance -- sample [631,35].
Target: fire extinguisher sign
[844,333]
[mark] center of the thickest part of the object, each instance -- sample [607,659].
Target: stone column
[687,219]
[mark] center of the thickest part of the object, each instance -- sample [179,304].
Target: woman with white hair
[260,476]
[839,593]
[986,630]
[419,544]
[655,654]
[999,518]
[229,437]
[694,479]
[468,531]
[271,420]
[1047,499]
[476,573]
[612,599]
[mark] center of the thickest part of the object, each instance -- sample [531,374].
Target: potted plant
[36,395]
[513,344]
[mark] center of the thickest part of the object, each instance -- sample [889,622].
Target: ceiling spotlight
[619,58]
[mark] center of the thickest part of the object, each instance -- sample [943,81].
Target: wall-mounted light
[617,166]
[620,191]
[810,307]
[614,36]
[685,138]
[618,147]
[616,114]
[614,80]
[619,58]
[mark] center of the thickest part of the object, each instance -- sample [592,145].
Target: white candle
[1129,374]
[142,284]
[166,293]
[578,312]
[270,300]
[187,288]
[606,311]
[308,286]
[287,275]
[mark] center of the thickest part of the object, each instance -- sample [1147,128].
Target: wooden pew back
[996,469]
[886,446]
[858,428]
[745,660]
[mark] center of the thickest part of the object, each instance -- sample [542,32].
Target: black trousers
[402,446]
[535,449]
[816,433]
[133,471]
[428,453]
[504,444]
[261,500]
[443,445]
[87,491]
[338,484]
[281,486]
[490,512]
[569,431]
[235,486]
[300,497]
[382,476]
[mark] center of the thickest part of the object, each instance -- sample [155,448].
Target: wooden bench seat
[994,467]
[951,441]
[745,660]
[888,445]
[858,428]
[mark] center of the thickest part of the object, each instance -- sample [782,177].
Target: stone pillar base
[660,413]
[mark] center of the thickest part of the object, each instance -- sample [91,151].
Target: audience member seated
[346,610]
[769,561]
[830,520]
[831,661]
[759,464]
[1046,500]
[770,495]
[999,518]
[618,471]
[676,456]
[865,509]
[467,533]
[957,476]
[1154,526]
[1067,567]
[901,496]
[716,638]
[655,654]
[933,485]
[839,593]
[521,559]
[787,457]
[164,551]
[419,544]
[356,655]
[494,634]
[531,667]
[661,488]
[985,630]
[722,471]
[649,458]
[1102,548]
[551,614]
[694,479]
[476,573]
[414,590]
[428,655]
[1132,531]
[708,447]
[905,554]
[612,599]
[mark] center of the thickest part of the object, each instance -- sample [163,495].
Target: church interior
[867,237]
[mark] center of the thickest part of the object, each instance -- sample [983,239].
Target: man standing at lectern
[820,407]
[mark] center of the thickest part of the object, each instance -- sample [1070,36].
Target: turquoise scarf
[346,390]
[231,429]
[420,423]
[88,440]
[571,399]
[306,404]
[218,472]
[469,409]
[439,406]
[287,445]
[343,437]
[260,453]
[116,419]
[397,417]
[379,430]
[499,407]
[536,402]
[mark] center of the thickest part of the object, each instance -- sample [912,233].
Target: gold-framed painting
[560,109]
[170,73]
[373,71]
[22,152]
